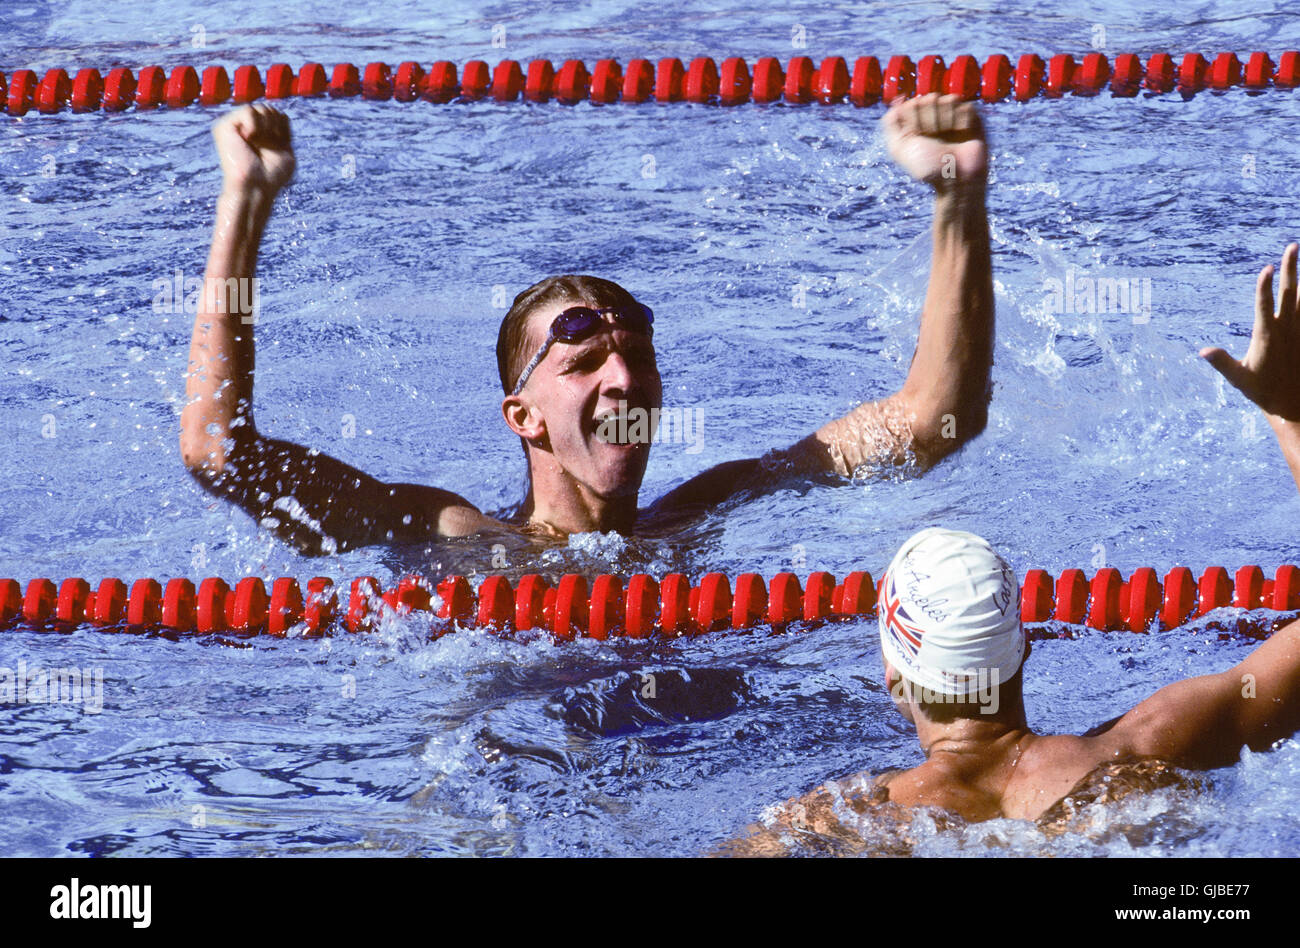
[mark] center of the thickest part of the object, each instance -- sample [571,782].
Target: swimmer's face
[585,398]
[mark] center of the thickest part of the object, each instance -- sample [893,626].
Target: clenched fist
[939,140]
[255,148]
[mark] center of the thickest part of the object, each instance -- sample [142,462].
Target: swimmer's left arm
[944,400]
[943,403]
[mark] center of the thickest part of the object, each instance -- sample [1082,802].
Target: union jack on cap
[901,626]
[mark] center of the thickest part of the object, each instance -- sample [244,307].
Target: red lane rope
[608,607]
[703,81]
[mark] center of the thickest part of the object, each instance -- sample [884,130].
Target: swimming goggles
[578,322]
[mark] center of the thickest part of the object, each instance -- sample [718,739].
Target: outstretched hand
[255,147]
[937,139]
[1269,375]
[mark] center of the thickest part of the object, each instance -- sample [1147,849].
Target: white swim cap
[950,613]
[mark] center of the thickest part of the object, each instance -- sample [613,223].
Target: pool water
[382,280]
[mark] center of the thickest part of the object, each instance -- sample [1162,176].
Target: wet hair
[962,706]
[513,344]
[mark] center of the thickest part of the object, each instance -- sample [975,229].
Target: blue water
[1109,443]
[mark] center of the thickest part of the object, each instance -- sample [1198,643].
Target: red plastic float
[1143,600]
[867,82]
[407,81]
[1126,78]
[638,81]
[1191,74]
[1105,594]
[53,92]
[570,607]
[1248,588]
[150,88]
[1071,596]
[769,80]
[572,82]
[605,608]
[1036,596]
[144,607]
[377,81]
[641,610]
[606,81]
[279,81]
[119,90]
[22,90]
[87,91]
[539,81]
[702,80]
[1092,75]
[1029,77]
[899,81]
[668,80]
[71,605]
[1214,590]
[1259,71]
[507,81]
[1288,71]
[734,82]
[214,88]
[995,78]
[831,82]
[345,81]
[182,88]
[475,78]
[247,85]
[930,75]
[963,78]
[1060,76]
[179,606]
[1160,73]
[284,610]
[311,82]
[322,602]
[440,84]
[1225,72]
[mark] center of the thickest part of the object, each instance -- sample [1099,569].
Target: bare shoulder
[708,488]
[1051,767]
[423,511]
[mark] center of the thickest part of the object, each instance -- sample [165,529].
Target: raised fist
[255,148]
[937,139]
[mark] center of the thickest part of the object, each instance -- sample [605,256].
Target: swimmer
[954,653]
[576,356]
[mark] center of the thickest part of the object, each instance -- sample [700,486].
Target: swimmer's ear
[522,419]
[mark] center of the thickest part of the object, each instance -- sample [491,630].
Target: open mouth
[624,427]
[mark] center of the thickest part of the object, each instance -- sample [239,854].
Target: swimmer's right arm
[1268,374]
[314,501]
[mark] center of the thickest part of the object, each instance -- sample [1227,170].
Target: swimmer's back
[1027,783]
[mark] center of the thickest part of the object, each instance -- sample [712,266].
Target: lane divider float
[870,80]
[609,607]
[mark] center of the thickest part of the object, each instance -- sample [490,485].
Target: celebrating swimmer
[954,651]
[574,353]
